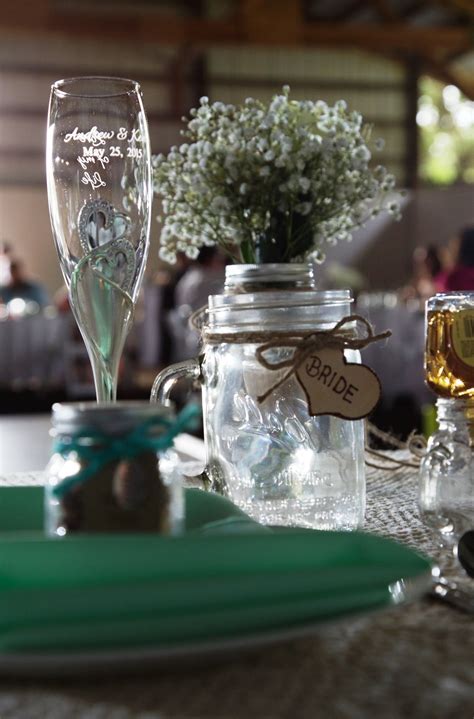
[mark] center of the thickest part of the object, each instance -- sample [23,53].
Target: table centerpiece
[283,390]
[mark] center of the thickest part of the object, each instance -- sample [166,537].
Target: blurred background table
[32,349]
[397,361]
[43,359]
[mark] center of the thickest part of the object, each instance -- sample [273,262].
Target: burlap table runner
[411,662]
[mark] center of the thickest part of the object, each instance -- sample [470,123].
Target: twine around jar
[304,344]
[99,449]
[415,445]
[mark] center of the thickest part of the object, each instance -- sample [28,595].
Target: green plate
[225,579]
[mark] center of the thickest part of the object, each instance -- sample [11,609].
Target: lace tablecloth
[415,662]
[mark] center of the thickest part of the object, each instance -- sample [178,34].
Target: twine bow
[107,449]
[306,344]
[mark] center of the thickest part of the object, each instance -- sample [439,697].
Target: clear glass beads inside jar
[271,458]
[113,470]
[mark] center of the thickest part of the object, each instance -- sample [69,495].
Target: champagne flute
[98,167]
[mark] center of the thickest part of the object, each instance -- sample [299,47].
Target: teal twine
[123,447]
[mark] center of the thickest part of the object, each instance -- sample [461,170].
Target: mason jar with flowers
[284,392]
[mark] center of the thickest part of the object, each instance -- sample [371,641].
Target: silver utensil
[450,592]
[466,552]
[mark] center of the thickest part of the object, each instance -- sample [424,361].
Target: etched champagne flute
[98,168]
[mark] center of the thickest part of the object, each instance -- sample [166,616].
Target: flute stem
[105,383]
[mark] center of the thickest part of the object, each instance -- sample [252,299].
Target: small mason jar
[113,470]
[271,458]
[446,472]
[446,493]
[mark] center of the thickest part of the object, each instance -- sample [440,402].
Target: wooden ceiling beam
[384,10]
[441,72]
[171,31]
[260,22]
[463,6]
[429,64]
[413,9]
[281,20]
[349,11]
[177,77]
[51,70]
[396,36]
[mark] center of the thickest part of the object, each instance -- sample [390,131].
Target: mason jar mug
[264,449]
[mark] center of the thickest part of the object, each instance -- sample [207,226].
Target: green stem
[247,252]
[289,235]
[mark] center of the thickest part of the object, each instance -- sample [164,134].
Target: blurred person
[19,286]
[448,254]
[205,277]
[5,262]
[461,276]
[168,279]
[61,300]
[427,267]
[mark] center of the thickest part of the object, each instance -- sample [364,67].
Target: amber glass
[449,358]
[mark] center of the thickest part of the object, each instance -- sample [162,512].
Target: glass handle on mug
[160,392]
[167,378]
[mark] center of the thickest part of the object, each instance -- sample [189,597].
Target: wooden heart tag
[337,387]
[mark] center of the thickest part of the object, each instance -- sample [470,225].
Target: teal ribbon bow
[107,449]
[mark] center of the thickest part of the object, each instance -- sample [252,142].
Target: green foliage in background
[446,122]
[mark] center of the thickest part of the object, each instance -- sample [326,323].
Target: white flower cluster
[292,175]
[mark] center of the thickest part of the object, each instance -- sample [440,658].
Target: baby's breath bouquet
[269,183]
